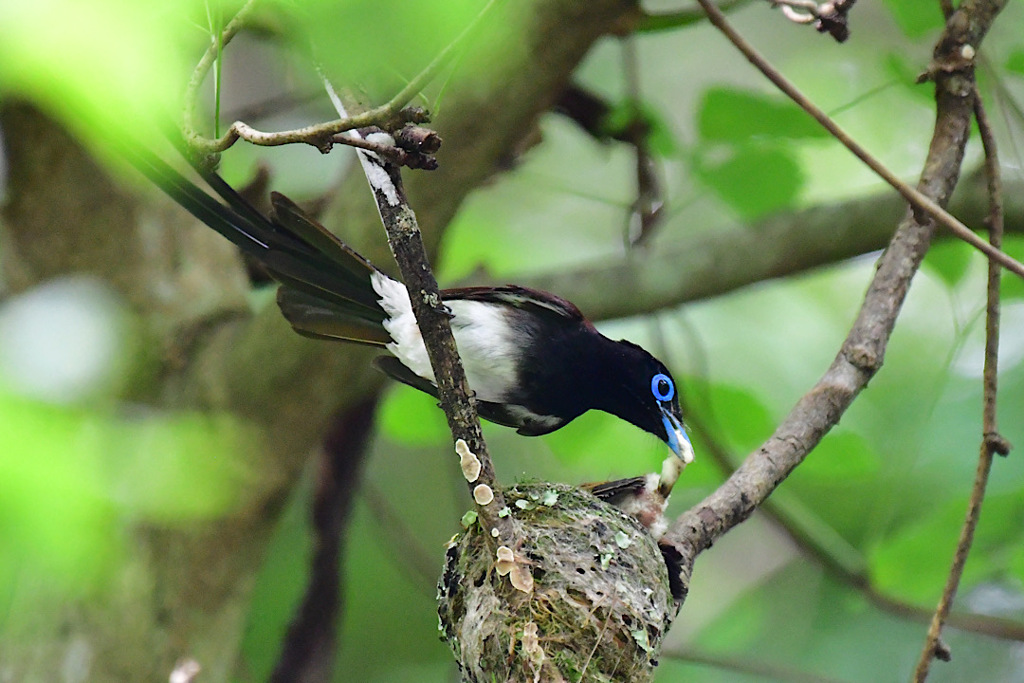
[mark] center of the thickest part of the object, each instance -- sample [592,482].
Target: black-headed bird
[532,360]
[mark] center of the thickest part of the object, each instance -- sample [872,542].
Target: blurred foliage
[628,112]
[72,59]
[885,491]
[73,480]
[380,62]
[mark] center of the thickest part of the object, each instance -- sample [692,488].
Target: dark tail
[326,290]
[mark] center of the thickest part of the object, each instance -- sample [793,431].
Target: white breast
[482,333]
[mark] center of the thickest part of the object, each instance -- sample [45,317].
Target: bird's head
[663,392]
[650,399]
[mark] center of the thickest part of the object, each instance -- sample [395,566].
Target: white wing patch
[401,325]
[487,346]
[482,333]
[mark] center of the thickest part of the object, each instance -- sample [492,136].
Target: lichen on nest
[600,603]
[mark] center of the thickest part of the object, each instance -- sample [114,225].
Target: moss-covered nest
[600,603]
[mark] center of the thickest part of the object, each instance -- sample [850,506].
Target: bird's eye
[662,387]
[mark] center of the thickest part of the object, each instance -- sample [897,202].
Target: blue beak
[676,437]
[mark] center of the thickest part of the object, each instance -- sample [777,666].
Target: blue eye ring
[659,393]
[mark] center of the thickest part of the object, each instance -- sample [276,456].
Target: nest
[600,603]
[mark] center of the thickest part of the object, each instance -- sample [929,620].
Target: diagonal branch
[862,353]
[710,264]
[432,319]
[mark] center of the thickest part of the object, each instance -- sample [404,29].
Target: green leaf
[1015,565]
[1013,287]
[56,519]
[735,413]
[70,478]
[600,440]
[906,71]
[842,457]
[736,116]
[915,17]
[837,482]
[753,180]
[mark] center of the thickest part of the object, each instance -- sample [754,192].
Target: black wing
[516,417]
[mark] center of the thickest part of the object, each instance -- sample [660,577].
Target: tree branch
[863,351]
[842,562]
[695,267]
[307,653]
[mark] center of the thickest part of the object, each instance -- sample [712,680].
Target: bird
[645,498]
[532,360]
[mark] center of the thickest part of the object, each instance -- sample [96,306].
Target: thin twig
[914,196]
[387,116]
[393,153]
[991,442]
[829,17]
[797,11]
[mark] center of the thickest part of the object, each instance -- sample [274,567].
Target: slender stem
[915,197]
[991,442]
[212,54]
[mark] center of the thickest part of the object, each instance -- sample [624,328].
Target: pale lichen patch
[468,461]
[483,494]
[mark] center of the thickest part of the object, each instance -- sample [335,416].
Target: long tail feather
[327,287]
[240,231]
[315,317]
